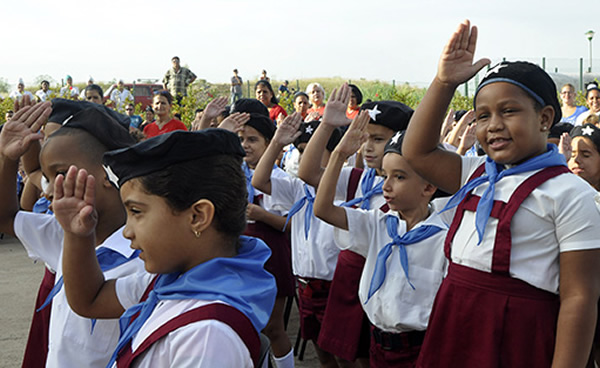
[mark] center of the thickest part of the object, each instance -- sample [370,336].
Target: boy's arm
[88,293]
[577,318]
[15,139]
[350,143]
[420,145]
[310,170]
[286,133]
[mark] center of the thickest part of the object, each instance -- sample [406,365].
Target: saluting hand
[288,130]
[355,136]
[24,128]
[73,203]
[335,110]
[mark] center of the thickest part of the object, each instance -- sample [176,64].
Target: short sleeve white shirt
[315,256]
[560,215]
[71,341]
[207,343]
[396,307]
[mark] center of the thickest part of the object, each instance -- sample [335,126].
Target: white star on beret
[374,112]
[396,137]
[309,130]
[588,130]
[495,69]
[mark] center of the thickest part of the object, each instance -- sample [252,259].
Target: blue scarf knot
[494,173]
[296,207]
[413,236]
[368,191]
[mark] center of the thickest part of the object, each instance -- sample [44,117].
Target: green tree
[4,86]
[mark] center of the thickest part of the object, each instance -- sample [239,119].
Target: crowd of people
[410,238]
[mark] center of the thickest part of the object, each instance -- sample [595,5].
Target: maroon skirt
[345,331]
[36,349]
[280,262]
[312,301]
[482,319]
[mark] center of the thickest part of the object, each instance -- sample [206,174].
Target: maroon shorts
[280,262]
[482,319]
[36,349]
[345,327]
[398,350]
[312,298]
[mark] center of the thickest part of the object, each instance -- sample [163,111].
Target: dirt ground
[19,281]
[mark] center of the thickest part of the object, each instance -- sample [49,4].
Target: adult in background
[21,92]
[592,98]
[354,103]
[69,91]
[301,104]
[164,123]
[316,94]
[283,88]
[570,111]
[134,120]
[263,76]
[148,118]
[236,87]
[121,96]
[264,93]
[44,92]
[177,79]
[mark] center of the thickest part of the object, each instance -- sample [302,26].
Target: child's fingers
[69,184]
[41,119]
[464,35]
[36,115]
[333,96]
[79,190]
[58,187]
[90,190]
[345,98]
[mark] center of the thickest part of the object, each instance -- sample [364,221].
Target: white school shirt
[207,343]
[71,343]
[120,98]
[315,257]
[558,216]
[341,189]
[266,201]
[396,307]
[64,92]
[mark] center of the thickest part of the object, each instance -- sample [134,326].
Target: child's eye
[482,117]
[134,210]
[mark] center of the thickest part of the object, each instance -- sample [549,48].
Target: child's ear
[429,190]
[203,213]
[547,117]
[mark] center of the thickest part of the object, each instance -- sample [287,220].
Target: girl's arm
[257,213]
[350,143]
[420,145]
[310,170]
[88,293]
[286,133]
[577,318]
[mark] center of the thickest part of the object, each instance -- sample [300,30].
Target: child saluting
[185,198]
[522,286]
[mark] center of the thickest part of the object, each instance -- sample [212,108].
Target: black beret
[557,130]
[530,77]
[308,129]
[101,126]
[357,93]
[62,109]
[395,143]
[250,105]
[263,124]
[392,114]
[588,131]
[162,151]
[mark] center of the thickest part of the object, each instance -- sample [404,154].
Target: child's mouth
[498,143]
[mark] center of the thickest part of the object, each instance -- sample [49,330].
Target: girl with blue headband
[522,285]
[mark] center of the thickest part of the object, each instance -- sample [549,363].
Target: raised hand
[288,130]
[456,63]
[335,110]
[235,122]
[355,136]
[312,116]
[215,107]
[468,139]
[73,203]
[18,133]
[564,146]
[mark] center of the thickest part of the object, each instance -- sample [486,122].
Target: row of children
[421,280]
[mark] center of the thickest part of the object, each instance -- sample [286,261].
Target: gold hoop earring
[197,233]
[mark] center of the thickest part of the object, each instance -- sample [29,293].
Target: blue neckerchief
[307,214]
[415,235]
[484,207]
[42,206]
[248,173]
[367,190]
[239,281]
[108,260]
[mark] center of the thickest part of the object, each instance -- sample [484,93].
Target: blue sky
[375,39]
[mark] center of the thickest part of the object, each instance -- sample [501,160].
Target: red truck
[142,92]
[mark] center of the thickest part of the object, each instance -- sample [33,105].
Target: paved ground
[19,281]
